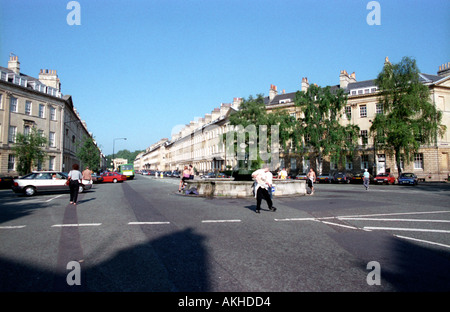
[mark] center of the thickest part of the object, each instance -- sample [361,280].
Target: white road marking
[12,226]
[300,219]
[48,200]
[76,225]
[219,221]
[404,229]
[422,241]
[395,214]
[370,217]
[342,225]
[147,223]
[395,220]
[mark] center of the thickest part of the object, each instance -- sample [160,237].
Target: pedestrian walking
[366,179]
[87,174]
[262,186]
[311,178]
[75,178]
[185,176]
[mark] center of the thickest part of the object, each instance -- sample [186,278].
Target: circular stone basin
[230,188]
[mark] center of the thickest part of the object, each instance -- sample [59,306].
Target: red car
[386,178]
[113,177]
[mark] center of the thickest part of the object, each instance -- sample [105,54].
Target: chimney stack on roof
[273,92]
[14,64]
[305,84]
[444,70]
[345,79]
[50,78]
[236,102]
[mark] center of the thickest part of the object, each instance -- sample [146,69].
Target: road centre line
[403,229]
[220,221]
[363,217]
[147,223]
[320,220]
[342,225]
[396,220]
[12,226]
[304,219]
[76,225]
[394,214]
[49,200]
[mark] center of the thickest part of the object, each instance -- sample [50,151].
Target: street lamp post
[114,142]
[374,170]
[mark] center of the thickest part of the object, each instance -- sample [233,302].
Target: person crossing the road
[366,179]
[262,186]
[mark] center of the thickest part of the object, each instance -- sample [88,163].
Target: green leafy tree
[89,154]
[409,119]
[320,129]
[252,113]
[29,150]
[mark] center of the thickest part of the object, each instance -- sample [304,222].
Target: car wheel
[115,181]
[30,191]
[80,189]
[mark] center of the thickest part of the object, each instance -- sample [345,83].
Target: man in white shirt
[366,179]
[282,174]
[262,186]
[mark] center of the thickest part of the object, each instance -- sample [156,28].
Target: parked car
[301,176]
[6,182]
[45,181]
[214,175]
[222,175]
[341,177]
[385,178]
[113,177]
[324,178]
[408,178]
[209,175]
[167,174]
[175,174]
[96,178]
[359,178]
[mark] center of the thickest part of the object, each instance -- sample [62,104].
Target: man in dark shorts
[311,178]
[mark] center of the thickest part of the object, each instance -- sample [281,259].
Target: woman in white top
[75,177]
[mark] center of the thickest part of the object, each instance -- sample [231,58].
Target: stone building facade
[430,163]
[27,102]
[198,143]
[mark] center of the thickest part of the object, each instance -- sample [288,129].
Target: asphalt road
[141,235]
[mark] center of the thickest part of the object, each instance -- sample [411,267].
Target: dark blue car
[408,178]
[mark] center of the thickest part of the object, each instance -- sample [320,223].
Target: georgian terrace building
[197,143]
[430,163]
[153,158]
[27,102]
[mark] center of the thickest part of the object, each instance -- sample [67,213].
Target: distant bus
[127,170]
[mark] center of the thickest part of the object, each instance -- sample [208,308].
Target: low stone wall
[230,188]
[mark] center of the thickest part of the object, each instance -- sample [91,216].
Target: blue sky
[139,68]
